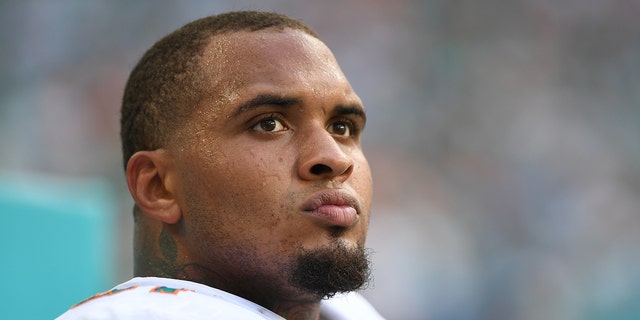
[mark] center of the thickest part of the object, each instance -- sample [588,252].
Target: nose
[322,157]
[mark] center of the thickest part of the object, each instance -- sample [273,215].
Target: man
[241,139]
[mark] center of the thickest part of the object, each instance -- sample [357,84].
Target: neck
[298,310]
[298,306]
[156,255]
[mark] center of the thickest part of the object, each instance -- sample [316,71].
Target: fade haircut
[168,82]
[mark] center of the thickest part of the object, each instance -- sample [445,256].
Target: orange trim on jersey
[103,294]
[163,289]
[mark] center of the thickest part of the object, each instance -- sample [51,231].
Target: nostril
[320,169]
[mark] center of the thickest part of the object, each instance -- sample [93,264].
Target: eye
[341,128]
[269,124]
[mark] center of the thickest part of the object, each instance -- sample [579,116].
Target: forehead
[276,61]
[244,50]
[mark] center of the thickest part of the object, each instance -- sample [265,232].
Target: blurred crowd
[504,137]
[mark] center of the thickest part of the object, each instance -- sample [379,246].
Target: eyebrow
[351,109]
[266,100]
[285,102]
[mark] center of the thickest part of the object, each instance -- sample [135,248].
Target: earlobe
[149,181]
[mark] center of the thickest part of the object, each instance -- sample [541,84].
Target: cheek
[361,179]
[240,182]
[252,172]
[236,165]
[363,185]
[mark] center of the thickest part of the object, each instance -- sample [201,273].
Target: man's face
[271,165]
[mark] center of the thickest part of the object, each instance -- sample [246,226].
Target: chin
[325,271]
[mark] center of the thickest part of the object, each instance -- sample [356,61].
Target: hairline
[195,82]
[203,76]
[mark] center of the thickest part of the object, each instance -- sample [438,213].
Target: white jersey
[163,298]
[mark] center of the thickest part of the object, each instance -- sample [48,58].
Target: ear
[150,182]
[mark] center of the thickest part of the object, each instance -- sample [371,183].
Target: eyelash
[271,116]
[352,126]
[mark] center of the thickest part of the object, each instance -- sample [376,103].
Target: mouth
[335,208]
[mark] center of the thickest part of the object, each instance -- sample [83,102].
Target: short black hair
[168,80]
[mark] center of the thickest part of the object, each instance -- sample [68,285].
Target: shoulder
[348,306]
[157,298]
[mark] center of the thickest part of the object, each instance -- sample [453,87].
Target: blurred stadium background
[504,137]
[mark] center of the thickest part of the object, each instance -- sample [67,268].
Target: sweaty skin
[269,166]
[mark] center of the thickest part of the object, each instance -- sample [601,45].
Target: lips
[335,208]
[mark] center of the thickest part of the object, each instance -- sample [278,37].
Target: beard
[327,271]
